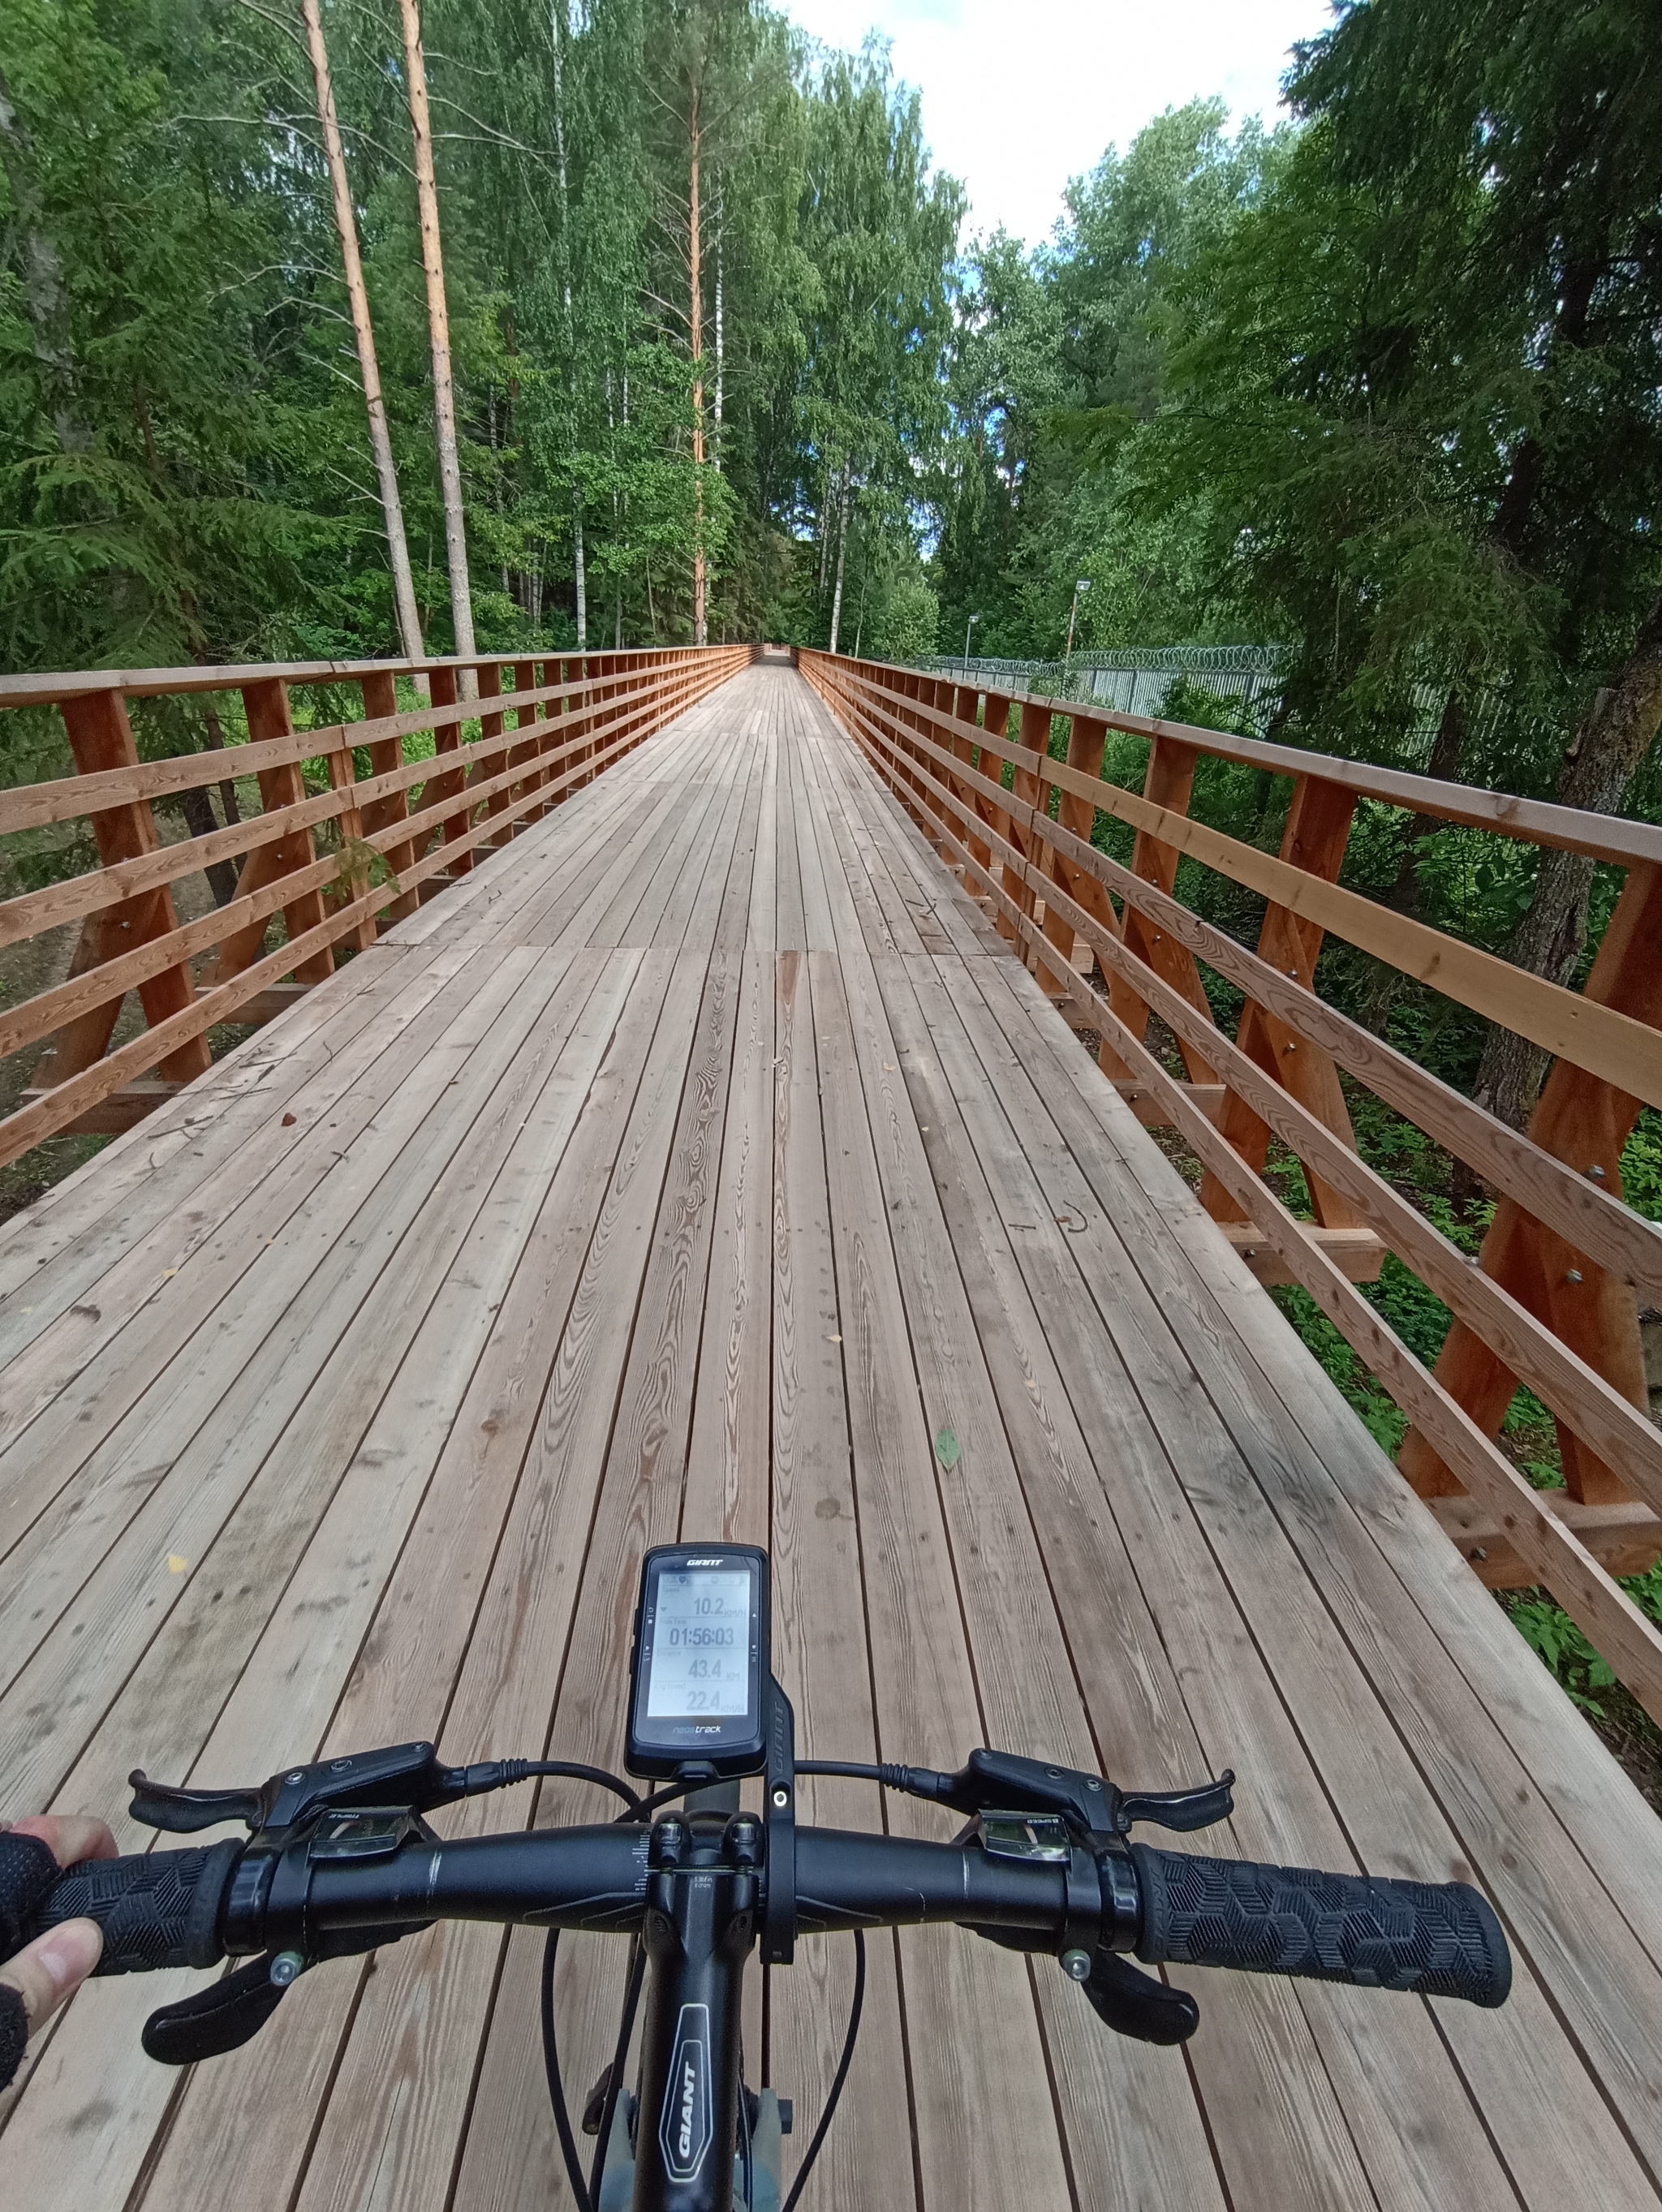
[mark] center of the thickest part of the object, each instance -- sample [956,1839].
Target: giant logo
[684,2126]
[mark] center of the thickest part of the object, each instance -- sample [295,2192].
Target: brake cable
[587,2192]
[619,2061]
[838,2078]
[574,2168]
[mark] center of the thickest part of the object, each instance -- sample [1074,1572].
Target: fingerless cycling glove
[29,1873]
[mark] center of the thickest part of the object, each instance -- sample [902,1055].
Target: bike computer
[699,1674]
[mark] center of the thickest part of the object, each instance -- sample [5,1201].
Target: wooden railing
[1553,1301]
[501,740]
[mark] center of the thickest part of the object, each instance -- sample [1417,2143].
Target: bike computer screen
[699,1674]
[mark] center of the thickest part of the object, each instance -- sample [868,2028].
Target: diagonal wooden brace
[1169,782]
[101,737]
[1317,831]
[1586,1122]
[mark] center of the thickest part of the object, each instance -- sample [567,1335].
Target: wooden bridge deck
[691,1168]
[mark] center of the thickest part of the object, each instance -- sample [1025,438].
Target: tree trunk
[696,347]
[438,320]
[580,573]
[558,32]
[841,555]
[718,338]
[1609,747]
[380,442]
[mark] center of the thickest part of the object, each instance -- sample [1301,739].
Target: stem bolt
[287,1966]
[1076,1965]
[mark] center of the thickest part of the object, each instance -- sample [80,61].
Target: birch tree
[438,320]
[381,440]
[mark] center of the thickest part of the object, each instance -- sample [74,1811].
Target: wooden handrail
[1048,888]
[50,690]
[1615,838]
[423,820]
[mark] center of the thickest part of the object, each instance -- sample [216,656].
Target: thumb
[51,1968]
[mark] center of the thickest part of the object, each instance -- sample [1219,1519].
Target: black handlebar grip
[161,1910]
[1438,1939]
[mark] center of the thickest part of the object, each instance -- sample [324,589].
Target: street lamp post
[1083,585]
[968,627]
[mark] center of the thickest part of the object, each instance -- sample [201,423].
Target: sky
[1018,95]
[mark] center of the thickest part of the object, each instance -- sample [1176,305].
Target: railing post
[380,698]
[1032,736]
[493,725]
[995,720]
[101,737]
[965,699]
[450,782]
[1168,783]
[1314,838]
[1584,1122]
[351,886]
[284,854]
[1086,741]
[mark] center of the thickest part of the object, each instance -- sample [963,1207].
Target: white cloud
[1019,98]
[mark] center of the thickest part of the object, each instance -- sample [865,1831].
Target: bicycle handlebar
[186,1908]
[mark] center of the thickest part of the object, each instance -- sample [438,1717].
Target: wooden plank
[71,1372]
[985,2132]
[1381,1499]
[1316,2149]
[34,1242]
[479,1508]
[172,1689]
[820,1650]
[1396,2059]
[173,1473]
[638,1505]
[1395,1825]
[1593,1410]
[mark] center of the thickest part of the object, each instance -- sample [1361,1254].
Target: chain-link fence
[1136,682]
[1248,676]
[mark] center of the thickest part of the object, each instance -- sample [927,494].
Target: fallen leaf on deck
[947,1450]
[175,1564]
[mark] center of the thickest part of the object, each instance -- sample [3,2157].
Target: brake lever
[1181,1810]
[182,1812]
[231,2011]
[224,2017]
[1134,2003]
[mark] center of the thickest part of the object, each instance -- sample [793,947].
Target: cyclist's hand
[35,1980]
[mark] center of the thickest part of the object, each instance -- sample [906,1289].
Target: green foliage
[184,470]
